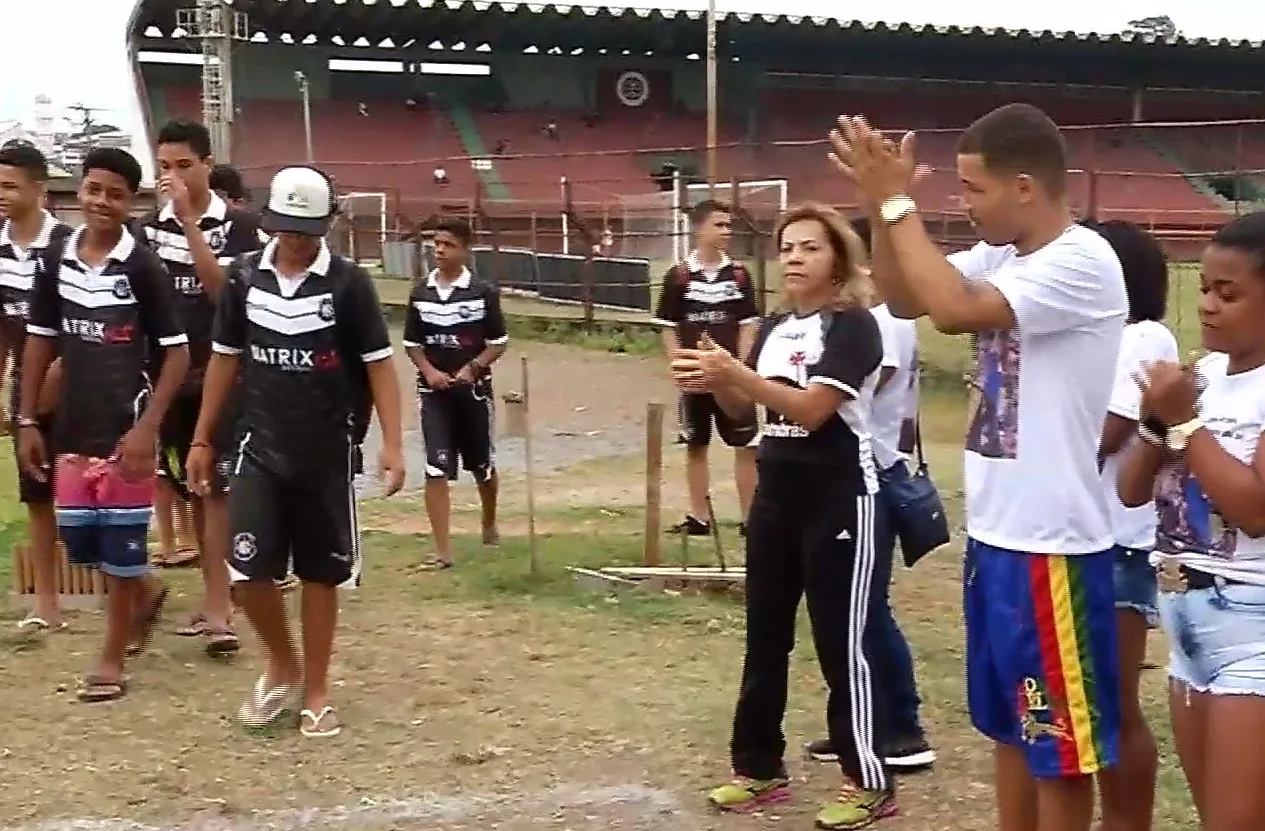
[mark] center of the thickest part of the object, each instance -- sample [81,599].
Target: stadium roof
[347,22]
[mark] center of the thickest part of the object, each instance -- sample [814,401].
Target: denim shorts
[1135,583]
[1217,638]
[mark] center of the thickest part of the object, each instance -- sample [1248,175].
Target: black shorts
[458,421]
[307,525]
[697,412]
[176,439]
[33,491]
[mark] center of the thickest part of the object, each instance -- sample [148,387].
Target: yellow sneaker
[746,794]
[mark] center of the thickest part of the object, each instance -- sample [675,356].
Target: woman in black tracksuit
[813,367]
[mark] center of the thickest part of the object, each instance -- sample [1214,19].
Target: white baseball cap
[300,201]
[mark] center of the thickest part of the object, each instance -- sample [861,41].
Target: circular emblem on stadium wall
[326,310]
[632,88]
[122,288]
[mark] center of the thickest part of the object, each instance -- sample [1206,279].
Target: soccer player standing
[306,332]
[454,332]
[1047,299]
[109,304]
[710,294]
[196,234]
[26,231]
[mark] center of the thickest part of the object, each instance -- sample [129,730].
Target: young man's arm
[668,311]
[748,317]
[496,339]
[228,339]
[368,330]
[886,271]
[43,328]
[156,305]
[415,345]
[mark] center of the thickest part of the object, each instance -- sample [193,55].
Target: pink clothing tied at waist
[92,482]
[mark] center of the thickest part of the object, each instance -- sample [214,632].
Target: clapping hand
[879,167]
[705,368]
[1170,391]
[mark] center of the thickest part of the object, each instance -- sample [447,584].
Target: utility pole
[216,26]
[305,101]
[711,93]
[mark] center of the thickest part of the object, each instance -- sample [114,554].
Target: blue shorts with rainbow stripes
[1042,671]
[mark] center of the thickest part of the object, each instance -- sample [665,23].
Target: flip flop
[310,723]
[434,563]
[196,626]
[143,625]
[183,558]
[221,642]
[94,689]
[264,706]
[38,624]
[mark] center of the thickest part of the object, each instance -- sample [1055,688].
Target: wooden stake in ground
[527,465]
[654,483]
[518,426]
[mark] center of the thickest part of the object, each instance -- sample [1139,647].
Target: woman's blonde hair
[853,286]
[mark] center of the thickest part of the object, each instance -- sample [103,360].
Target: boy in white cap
[305,329]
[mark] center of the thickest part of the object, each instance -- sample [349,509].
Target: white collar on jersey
[320,266]
[462,281]
[41,239]
[215,209]
[119,253]
[695,265]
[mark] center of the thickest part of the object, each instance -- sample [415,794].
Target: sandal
[196,626]
[34,623]
[310,723]
[221,642]
[185,557]
[143,625]
[95,689]
[435,563]
[264,706]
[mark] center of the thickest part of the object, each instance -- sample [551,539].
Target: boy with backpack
[710,294]
[306,331]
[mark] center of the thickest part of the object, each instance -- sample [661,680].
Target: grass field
[481,693]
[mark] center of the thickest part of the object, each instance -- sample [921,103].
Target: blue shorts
[1216,638]
[1041,658]
[102,518]
[1135,583]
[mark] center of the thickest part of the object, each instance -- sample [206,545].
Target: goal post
[365,215]
[656,226]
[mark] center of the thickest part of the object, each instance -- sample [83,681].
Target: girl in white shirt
[1128,789]
[1202,458]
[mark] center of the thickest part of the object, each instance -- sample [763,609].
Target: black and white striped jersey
[843,350]
[17,280]
[110,319]
[304,343]
[717,301]
[229,233]
[452,324]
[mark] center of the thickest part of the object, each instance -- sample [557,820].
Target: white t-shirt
[895,406]
[1143,342]
[1233,409]
[1040,394]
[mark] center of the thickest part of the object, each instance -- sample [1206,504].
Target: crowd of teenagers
[1110,487]
[217,370]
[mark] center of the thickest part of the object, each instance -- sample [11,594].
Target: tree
[1159,26]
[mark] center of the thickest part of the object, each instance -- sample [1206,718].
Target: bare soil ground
[482,697]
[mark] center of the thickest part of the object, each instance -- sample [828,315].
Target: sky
[98,74]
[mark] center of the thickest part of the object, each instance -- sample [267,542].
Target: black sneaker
[821,751]
[909,753]
[693,527]
[913,753]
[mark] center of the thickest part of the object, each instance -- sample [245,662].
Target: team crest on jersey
[244,547]
[465,312]
[326,311]
[122,288]
[217,238]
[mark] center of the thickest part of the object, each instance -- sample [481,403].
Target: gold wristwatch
[896,208]
[1179,434]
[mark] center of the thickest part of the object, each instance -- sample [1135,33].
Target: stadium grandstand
[486,108]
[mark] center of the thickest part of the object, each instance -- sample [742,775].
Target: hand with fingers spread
[879,167]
